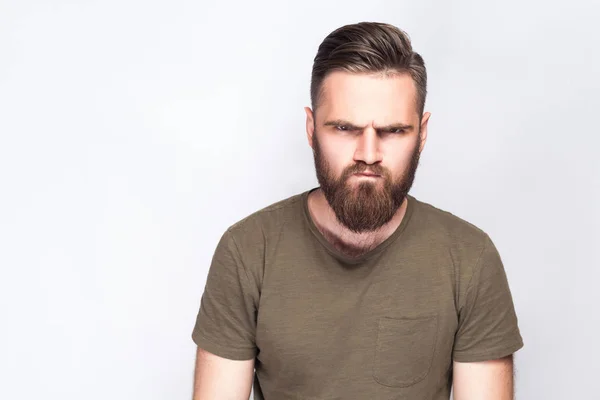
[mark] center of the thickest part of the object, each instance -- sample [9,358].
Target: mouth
[367,174]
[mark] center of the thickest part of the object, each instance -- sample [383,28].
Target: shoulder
[269,218]
[446,226]
[261,231]
[255,235]
[453,238]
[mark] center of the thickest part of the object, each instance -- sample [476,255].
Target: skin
[493,380]
[218,378]
[368,122]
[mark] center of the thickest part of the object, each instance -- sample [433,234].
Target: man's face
[366,138]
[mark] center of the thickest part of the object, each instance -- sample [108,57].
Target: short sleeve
[488,326]
[226,321]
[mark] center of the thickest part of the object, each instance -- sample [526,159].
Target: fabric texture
[386,325]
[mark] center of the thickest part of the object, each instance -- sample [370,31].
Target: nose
[368,147]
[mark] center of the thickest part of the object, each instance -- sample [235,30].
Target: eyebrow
[350,125]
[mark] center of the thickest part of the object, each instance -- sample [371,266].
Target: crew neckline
[374,251]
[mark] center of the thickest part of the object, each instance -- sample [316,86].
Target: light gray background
[133,133]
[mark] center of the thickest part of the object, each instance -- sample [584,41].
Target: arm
[488,333]
[489,380]
[225,327]
[218,378]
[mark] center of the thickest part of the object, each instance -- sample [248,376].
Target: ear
[310,125]
[424,123]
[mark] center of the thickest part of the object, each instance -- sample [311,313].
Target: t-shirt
[386,325]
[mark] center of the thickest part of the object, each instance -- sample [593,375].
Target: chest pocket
[404,350]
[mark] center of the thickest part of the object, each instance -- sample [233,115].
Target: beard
[366,207]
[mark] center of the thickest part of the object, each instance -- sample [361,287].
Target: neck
[348,242]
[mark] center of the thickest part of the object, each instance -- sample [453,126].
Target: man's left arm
[489,380]
[488,333]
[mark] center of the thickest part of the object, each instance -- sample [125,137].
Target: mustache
[362,168]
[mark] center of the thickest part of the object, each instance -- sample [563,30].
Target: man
[356,289]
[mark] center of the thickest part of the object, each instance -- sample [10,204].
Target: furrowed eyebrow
[399,125]
[340,122]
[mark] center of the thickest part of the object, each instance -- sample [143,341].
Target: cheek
[339,147]
[397,163]
[338,155]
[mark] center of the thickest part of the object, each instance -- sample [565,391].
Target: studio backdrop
[133,133]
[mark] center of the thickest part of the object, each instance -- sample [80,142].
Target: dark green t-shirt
[387,325]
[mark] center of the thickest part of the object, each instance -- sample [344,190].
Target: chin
[367,185]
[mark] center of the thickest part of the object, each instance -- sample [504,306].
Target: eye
[396,130]
[342,128]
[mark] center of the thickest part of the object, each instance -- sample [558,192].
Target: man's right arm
[226,325]
[218,378]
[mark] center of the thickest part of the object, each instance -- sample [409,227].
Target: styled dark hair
[368,47]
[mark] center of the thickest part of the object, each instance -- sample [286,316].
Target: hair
[368,47]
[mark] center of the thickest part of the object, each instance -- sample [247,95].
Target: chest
[389,324]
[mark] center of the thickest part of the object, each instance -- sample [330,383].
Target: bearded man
[356,289]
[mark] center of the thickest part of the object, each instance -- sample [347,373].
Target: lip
[367,174]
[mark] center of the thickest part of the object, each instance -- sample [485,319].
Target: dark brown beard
[365,208]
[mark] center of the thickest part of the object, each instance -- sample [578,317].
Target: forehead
[362,98]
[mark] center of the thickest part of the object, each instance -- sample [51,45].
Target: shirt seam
[203,336]
[516,343]
[476,270]
[238,254]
